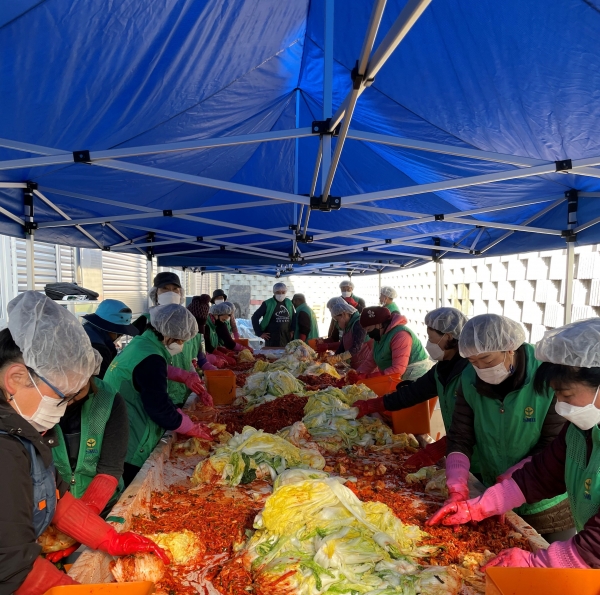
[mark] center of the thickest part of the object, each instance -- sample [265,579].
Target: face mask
[168,297]
[279,297]
[495,374]
[435,351]
[346,294]
[375,334]
[48,413]
[219,300]
[174,348]
[584,418]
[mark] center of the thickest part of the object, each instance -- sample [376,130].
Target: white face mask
[168,297]
[495,374]
[219,300]
[584,418]
[346,294]
[174,348]
[435,351]
[280,297]
[48,412]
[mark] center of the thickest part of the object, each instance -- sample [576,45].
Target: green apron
[271,304]
[582,479]
[94,417]
[179,392]
[392,307]
[144,434]
[382,351]
[505,432]
[314,328]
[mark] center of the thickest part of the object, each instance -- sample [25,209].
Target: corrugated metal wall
[45,265]
[124,277]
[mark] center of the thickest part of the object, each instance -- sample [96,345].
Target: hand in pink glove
[239,347]
[236,335]
[231,361]
[509,472]
[513,557]
[190,379]
[189,428]
[208,366]
[215,360]
[429,455]
[368,406]
[457,476]
[206,398]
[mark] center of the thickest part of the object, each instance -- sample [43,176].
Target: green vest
[314,327]
[392,307]
[144,434]
[271,304]
[382,351]
[505,432]
[212,329]
[94,417]
[582,478]
[179,392]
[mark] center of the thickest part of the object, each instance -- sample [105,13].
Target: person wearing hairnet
[183,378]
[110,321]
[46,360]
[571,462]
[444,326]
[273,319]
[139,373]
[218,297]
[305,322]
[498,410]
[347,289]
[217,336]
[200,307]
[395,350]
[352,334]
[387,295]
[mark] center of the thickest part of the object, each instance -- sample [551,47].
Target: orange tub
[244,342]
[137,588]
[542,581]
[221,385]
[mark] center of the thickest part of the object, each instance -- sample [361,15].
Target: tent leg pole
[327,90]
[569,277]
[30,261]
[438,291]
[149,279]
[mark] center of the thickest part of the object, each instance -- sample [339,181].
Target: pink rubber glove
[236,335]
[560,554]
[209,366]
[190,379]
[374,375]
[457,476]
[206,398]
[189,428]
[239,347]
[509,472]
[498,499]
[368,406]
[429,455]
[215,360]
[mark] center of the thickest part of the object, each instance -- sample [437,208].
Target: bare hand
[266,336]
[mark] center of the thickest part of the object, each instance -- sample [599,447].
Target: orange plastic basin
[244,342]
[312,343]
[221,385]
[137,588]
[542,581]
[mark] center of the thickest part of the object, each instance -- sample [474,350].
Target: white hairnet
[338,305]
[174,321]
[347,283]
[279,287]
[446,321]
[153,296]
[489,332]
[53,342]
[222,309]
[98,360]
[389,292]
[575,344]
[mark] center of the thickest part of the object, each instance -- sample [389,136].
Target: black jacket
[280,325]
[102,343]
[18,547]
[424,388]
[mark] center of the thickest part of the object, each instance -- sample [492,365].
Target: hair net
[446,320]
[222,309]
[279,287]
[347,283]
[173,321]
[489,332]
[153,296]
[53,342]
[338,305]
[389,292]
[575,344]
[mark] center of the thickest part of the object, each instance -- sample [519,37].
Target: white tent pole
[13,185]
[327,89]
[569,281]
[30,260]
[438,284]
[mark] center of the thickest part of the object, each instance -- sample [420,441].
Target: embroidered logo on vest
[587,484]
[529,411]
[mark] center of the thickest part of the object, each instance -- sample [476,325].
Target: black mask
[375,334]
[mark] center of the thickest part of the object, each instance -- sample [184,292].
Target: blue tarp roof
[514,78]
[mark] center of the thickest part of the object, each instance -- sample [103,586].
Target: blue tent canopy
[192,130]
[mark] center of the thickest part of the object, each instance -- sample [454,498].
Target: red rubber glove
[429,455]
[361,376]
[74,518]
[55,557]
[42,577]
[455,513]
[189,428]
[190,379]
[205,398]
[368,406]
[231,361]
[216,360]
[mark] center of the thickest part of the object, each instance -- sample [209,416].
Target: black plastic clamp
[31,186]
[333,203]
[359,80]
[167,213]
[304,239]
[365,249]
[388,241]
[564,165]
[569,235]
[30,226]
[439,217]
[81,156]
[105,248]
[293,227]
[436,253]
[321,127]
[199,238]
[222,247]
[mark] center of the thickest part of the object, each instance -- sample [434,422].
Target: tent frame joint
[82,156]
[331,203]
[564,165]
[359,80]
[321,127]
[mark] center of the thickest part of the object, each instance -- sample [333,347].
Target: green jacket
[506,431]
[95,414]
[392,307]
[382,350]
[582,477]
[271,304]
[314,327]
[179,392]
[144,434]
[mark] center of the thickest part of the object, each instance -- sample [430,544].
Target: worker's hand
[514,557]
[509,472]
[239,347]
[42,577]
[124,544]
[361,376]
[190,379]
[201,431]
[216,360]
[427,456]
[368,406]
[208,366]
[55,557]
[457,492]
[453,513]
[266,336]
[206,398]
[229,361]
